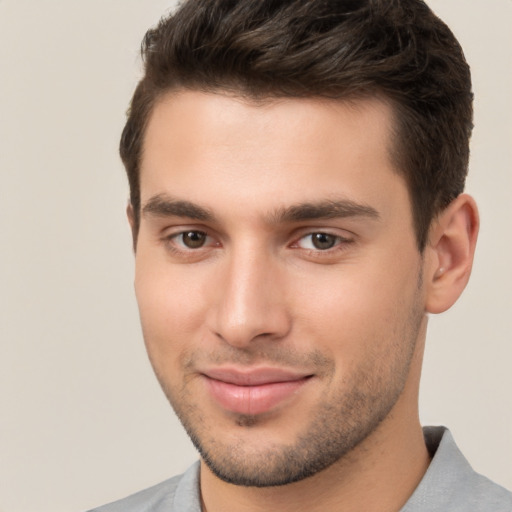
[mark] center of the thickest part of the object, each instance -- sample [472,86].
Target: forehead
[207,147]
[310,119]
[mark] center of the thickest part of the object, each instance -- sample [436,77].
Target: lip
[253,391]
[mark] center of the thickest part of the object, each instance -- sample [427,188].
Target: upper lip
[254,376]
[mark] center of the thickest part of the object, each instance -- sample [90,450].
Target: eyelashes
[191,239]
[196,244]
[320,241]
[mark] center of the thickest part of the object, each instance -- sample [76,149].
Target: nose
[251,300]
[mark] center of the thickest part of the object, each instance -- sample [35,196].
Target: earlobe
[452,242]
[131,220]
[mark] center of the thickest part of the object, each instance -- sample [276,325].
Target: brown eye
[193,239]
[323,241]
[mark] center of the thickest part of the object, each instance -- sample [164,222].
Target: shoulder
[146,500]
[451,484]
[179,493]
[486,496]
[476,493]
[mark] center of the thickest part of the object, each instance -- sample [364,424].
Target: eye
[191,239]
[319,241]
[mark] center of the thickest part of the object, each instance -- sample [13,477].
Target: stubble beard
[337,426]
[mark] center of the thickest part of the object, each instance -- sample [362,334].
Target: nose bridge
[251,301]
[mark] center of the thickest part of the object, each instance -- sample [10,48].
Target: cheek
[170,308]
[359,309]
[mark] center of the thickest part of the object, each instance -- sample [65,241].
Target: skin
[250,289]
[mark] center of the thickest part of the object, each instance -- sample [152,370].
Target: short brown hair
[397,49]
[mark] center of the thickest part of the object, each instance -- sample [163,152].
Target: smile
[253,392]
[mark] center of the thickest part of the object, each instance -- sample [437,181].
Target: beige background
[82,420]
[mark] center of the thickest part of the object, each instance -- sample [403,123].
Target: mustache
[259,356]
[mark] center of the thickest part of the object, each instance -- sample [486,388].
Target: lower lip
[252,399]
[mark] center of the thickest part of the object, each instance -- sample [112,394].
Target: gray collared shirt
[449,485]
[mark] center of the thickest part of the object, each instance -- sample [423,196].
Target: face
[278,279]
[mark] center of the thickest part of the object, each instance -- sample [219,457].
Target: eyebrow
[163,205]
[329,209]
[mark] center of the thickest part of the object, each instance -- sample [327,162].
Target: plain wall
[82,419]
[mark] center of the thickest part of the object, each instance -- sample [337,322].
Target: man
[296,173]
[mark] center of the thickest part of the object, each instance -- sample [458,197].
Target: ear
[451,248]
[133,225]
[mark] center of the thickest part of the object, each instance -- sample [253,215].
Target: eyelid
[178,239]
[344,241]
[170,230]
[169,237]
[337,241]
[171,233]
[343,235]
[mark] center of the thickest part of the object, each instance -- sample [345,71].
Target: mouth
[254,391]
